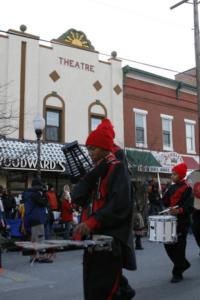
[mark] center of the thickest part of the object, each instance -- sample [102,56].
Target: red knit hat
[181,170]
[101,137]
[105,123]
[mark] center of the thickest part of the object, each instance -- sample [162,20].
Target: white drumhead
[162,218]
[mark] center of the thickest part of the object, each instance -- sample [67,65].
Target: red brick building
[160,120]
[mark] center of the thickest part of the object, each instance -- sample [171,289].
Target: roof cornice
[160,79]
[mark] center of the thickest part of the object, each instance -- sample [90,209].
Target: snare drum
[163,229]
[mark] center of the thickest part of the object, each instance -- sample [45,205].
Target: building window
[53,125]
[96,113]
[54,115]
[167,132]
[95,121]
[190,136]
[140,128]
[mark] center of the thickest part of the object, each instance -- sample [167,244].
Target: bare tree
[8,117]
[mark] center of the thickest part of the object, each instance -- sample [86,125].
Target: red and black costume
[105,196]
[179,194]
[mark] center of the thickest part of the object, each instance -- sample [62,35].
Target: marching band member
[119,153]
[179,194]
[105,196]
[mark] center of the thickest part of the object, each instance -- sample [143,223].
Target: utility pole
[197,57]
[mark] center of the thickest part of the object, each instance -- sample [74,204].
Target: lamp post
[38,124]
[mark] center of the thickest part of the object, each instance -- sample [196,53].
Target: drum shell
[163,229]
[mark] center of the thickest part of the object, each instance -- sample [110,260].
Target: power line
[101,53]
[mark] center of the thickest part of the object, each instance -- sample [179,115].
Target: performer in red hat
[179,195]
[105,196]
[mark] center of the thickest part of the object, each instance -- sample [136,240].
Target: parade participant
[179,195]
[105,196]
[119,153]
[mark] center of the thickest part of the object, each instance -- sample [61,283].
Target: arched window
[54,111]
[96,113]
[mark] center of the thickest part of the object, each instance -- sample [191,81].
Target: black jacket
[115,216]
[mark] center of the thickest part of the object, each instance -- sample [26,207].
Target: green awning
[141,158]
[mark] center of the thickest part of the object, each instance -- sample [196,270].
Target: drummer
[178,198]
[105,195]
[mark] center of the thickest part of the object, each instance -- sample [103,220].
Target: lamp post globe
[39,124]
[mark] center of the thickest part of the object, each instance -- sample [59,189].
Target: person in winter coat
[35,210]
[52,198]
[138,227]
[179,199]
[9,204]
[154,198]
[66,211]
[35,215]
[105,197]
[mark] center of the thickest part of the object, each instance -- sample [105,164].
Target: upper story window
[190,135]
[96,113]
[140,127]
[53,125]
[54,110]
[95,121]
[167,132]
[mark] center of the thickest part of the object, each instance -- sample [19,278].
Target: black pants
[176,252]
[101,275]
[196,226]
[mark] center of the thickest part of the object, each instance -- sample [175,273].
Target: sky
[145,31]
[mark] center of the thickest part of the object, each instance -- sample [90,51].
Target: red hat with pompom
[181,170]
[108,125]
[102,136]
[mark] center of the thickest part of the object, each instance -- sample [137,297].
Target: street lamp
[38,124]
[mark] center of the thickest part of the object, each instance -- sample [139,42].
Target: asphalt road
[63,278]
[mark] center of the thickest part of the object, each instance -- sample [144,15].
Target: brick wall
[157,99]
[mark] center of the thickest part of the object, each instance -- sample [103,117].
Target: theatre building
[66,82]
[160,123]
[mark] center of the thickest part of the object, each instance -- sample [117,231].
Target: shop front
[18,164]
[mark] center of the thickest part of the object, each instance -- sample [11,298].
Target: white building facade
[65,82]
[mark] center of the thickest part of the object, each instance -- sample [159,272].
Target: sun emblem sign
[76,38]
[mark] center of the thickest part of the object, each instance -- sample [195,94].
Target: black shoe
[176,278]
[187,266]
[127,294]
[139,248]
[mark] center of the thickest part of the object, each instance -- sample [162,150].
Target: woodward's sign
[31,164]
[79,65]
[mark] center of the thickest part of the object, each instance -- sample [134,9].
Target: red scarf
[176,197]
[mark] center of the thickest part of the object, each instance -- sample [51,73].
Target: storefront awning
[191,163]
[141,159]
[18,155]
[23,156]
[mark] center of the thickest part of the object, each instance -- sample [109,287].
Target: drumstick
[168,209]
